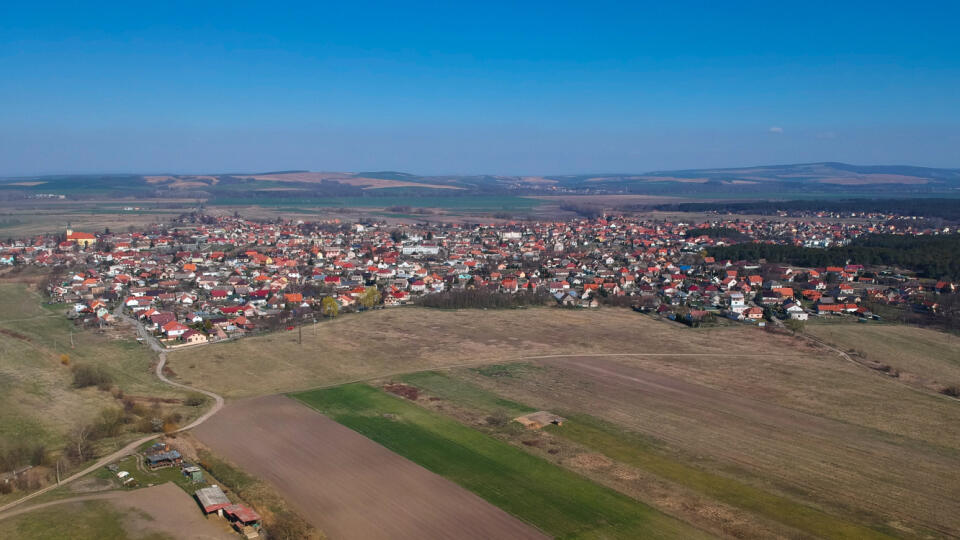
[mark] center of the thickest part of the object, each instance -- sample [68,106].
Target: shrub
[86,375]
[195,400]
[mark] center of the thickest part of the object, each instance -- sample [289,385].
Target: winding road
[131,447]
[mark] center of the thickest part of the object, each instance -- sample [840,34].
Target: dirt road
[164,509]
[130,448]
[345,484]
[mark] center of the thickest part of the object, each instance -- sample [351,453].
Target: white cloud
[776,129]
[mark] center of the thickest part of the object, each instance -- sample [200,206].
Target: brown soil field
[345,484]
[816,456]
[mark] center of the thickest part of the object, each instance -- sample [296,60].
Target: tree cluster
[936,257]
[485,299]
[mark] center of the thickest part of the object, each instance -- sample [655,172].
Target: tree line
[947,208]
[485,299]
[936,257]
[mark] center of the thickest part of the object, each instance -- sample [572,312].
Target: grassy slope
[38,403]
[640,451]
[36,396]
[557,501]
[926,353]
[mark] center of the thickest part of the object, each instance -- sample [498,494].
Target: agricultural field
[361,346]
[731,462]
[733,430]
[345,484]
[41,404]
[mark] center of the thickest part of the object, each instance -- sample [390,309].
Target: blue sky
[452,87]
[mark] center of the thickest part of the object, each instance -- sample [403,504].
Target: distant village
[204,278]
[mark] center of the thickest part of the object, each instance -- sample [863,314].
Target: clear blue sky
[446,87]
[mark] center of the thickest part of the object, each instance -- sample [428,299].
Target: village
[204,279]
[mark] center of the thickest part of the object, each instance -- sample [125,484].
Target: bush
[195,400]
[86,375]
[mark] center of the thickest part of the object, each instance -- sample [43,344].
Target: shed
[212,499]
[245,520]
[194,473]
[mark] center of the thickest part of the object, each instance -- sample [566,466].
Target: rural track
[132,446]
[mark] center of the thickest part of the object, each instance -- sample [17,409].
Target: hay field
[358,346]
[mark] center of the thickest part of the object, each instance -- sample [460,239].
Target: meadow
[42,407]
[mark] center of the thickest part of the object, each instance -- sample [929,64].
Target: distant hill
[828,173]
[782,181]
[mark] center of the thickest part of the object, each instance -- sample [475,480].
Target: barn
[212,499]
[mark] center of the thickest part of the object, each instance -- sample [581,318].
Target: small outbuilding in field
[539,420]
[212,499]
[244,520]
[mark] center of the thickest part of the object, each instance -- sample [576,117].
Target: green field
[555,500]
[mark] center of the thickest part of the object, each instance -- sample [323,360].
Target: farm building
[245,520]
[212,499]
[159,460]
[194,473]
[539,419]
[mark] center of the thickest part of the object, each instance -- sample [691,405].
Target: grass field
[400,340]
[557,501]
[90,520]
[38,402]
[161,512]
[634,450]
[926,357]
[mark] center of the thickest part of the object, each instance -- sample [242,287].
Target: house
[174,329]
[193,337]
[753,313]
[737,304]
[160,455]
[799,315]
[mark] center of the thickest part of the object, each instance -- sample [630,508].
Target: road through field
[345,484]
[131,447]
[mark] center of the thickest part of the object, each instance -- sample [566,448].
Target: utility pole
[71,338]
[300,334]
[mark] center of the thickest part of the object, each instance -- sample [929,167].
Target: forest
[936,257]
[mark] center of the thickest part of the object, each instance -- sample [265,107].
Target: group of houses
[200,280]
[211,498]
